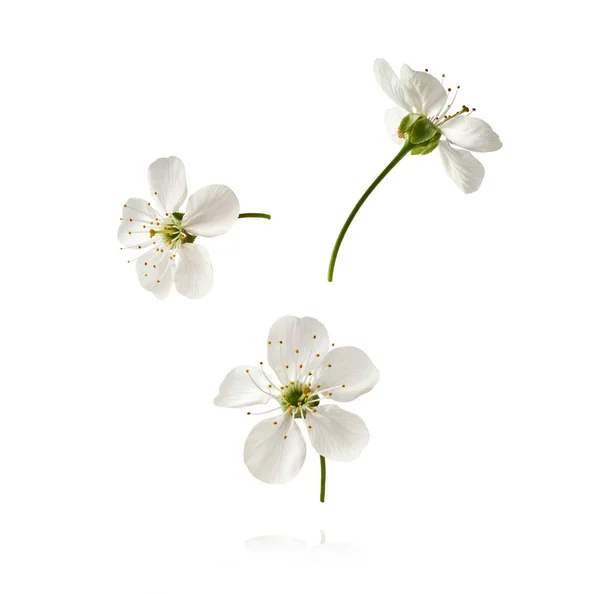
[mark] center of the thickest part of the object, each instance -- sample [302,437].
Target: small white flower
[164,238]
[304,373]
[421,93]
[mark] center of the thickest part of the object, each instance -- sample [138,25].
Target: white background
[119,475]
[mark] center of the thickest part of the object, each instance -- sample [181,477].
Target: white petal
[166,178]
[211,211]
[471,133]
[243,386]
[390,83]
[346,372]
[336,433]
[462,167]
[137,220]
[393,117]
[290,334]
[275,450]
[155,271]
[422,92]
[194,274]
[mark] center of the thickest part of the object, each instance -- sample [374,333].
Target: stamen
[252,380]
[265,412]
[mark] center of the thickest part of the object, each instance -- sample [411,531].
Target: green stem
[336,248]
[254,215]
[323,477]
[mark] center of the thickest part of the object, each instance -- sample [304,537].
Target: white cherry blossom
[304,374]
[162,239]
[421,93]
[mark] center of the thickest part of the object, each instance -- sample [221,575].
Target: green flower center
[297,397]
[172,232]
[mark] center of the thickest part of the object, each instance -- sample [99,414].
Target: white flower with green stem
[162,238]
[425,118]
[304,373]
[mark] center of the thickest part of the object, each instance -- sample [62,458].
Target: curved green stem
[323,477]
[336,248]
[254,215]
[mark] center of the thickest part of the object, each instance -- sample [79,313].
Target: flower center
[296,397]
[172,232]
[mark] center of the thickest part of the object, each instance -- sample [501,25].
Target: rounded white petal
[137,220]
[243,386]
[166,178]
[275,450]
[336,433]
[472,134]
[155,271]
[194,274]
[346,373]
[462,167]
[393,117]
[422,92]
[211,211]
[296,346]
[390,83]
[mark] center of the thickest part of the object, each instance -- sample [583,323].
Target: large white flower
[421,93]
[164,237]
[304,374]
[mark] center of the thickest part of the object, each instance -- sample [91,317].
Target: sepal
[408,121]
[429,146]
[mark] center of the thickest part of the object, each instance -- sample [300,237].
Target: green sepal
[422,131]
[177,215]
[407,121]
[425,149]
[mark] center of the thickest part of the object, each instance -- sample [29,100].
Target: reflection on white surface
[281,544]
